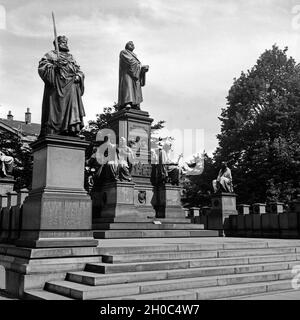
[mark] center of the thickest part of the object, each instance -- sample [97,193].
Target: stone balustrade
[258,220]
[10,215]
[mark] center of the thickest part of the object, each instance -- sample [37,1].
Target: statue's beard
[64,48]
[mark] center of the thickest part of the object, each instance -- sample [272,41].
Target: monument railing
[258,220]
[11,205]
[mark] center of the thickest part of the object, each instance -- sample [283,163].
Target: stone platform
[174,268]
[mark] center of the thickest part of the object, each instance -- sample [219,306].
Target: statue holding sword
[62,109]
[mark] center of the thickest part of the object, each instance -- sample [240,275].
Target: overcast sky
[194,48]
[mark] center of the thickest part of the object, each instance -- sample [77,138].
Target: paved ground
[202,240]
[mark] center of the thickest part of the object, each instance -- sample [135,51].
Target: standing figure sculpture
[224,180]
[132,75]
[62,110]
[6,165]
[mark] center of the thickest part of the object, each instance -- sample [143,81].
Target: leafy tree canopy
[260,127]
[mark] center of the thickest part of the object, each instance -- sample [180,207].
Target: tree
[260,130]
[197,189]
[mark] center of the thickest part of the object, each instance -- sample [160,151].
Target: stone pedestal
[243,209]
[223,205]
[3,201]
[169,202]
[195,212]
[258,208]
[276,207]
[134,125]
[58,211]
[6,185]
[114,200]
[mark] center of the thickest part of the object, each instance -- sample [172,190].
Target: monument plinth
[223,205]
[58,210]
[134,126]
[6,185]
[169,202]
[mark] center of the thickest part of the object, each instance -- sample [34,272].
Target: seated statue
[6,165]
[111,162]
[164,169]
[125,159]
[223,183]
[104,162]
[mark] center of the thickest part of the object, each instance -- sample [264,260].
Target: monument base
[223,205]
[114,199]
[169,202]
[6,185]
[58,210]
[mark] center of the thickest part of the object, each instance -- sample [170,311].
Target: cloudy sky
[194,48]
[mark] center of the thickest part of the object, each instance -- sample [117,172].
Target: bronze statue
[62,110]
[6,165]
[111,162]
[132,75]
[223,183]
[125,160]
[164,169]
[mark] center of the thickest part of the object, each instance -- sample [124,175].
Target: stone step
[40,294]
[84,292]
[125,234]
[95,279]
[228,292]
[141,220]
[159,256]
[143,247]
[147,226]
[109,268]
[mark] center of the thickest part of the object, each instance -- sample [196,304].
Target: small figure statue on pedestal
[165,170]
[223,183]
[62,110]
[125,160]
[132,76]
[111,162]
[6,165]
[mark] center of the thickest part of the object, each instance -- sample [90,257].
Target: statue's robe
[62,110]
[130,78]
[224,181]
[125,160]
[165,170]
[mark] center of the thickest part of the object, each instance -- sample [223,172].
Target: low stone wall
[11,215]
[257,220]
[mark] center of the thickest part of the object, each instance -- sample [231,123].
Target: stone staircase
[181,271]
[118,228]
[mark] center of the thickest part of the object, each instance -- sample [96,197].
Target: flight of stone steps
[180,271]
[118,228]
